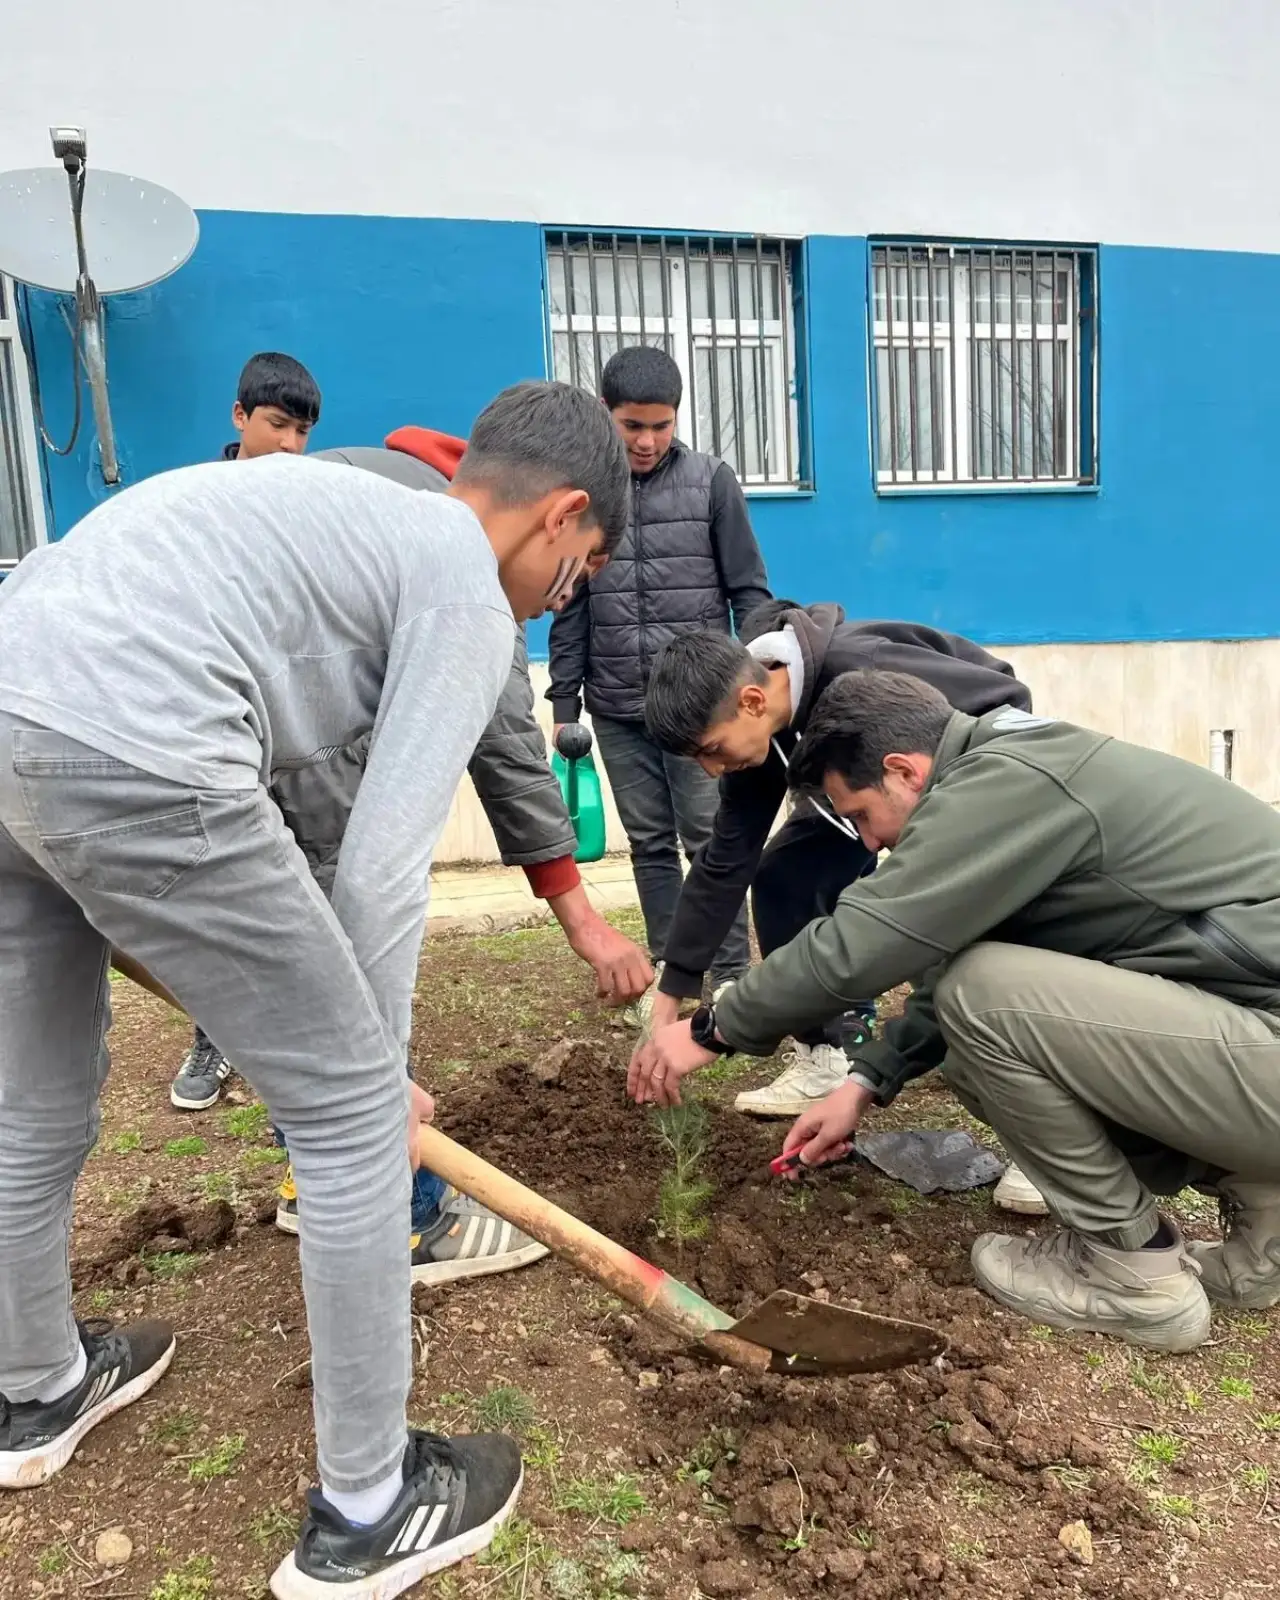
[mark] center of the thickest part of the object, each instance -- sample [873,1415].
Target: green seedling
[1236,1388]
[265,1156]
[1074,1479]
[1156,1384]
[1094,1360]
[246,1122]
[218,1186]
[863,1538]
[1161,1448]
[619,1501]
[505,1409]
[193,1580]
[541,1450]
[123,1144]
[966,1549]
[683,1192]
[1267,1421]
[973,1491]
[218,1462]
[167,1265]
[272,1527]
[191,1145]
[1177,1507]
[1042,1332]
[1256,1477]
[54,1560]
[173,1427]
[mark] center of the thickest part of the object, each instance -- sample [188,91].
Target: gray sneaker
[470,1241]
[1147,1297]
[201,1076]
[1244,1270]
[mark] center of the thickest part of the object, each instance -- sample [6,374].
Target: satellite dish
[118,235]
[135,232]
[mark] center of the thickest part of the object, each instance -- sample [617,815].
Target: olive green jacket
[1035,832]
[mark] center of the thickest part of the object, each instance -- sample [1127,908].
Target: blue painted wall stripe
[423,320]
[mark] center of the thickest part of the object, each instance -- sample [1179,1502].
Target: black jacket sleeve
[570,641]
[737,553]
[721,874]
[974,682]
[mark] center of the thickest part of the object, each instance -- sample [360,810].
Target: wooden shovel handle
[629,1276]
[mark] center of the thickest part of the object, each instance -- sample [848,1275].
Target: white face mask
[562,585]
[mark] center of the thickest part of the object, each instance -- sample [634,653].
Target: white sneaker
[639,1014]
[810,1074]
[1016,1192]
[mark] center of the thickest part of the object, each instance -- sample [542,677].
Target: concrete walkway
[491,899]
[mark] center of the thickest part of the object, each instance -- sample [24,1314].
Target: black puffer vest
[662,580]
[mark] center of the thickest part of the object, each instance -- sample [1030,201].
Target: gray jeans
[664,802]
[1108,1086]
[208,890]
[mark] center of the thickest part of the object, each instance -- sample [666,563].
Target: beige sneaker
[1244,1270]
[1147,1297]
[1016,1192]
[810,1074]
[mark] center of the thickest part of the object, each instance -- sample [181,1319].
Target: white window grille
[984,365]
[723,309]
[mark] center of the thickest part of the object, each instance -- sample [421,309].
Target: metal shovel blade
[815,1336]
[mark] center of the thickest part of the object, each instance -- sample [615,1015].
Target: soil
[652,1471]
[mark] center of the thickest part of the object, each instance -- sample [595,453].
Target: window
[984,361]
[723,309]
[21,501]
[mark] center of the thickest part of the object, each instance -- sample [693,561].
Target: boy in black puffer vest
[688,562]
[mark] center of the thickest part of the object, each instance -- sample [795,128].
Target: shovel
[787,1333]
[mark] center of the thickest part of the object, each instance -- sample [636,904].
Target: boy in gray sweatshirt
[190,638]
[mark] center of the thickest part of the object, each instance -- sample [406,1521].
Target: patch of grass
[54,1560]
[218,1462]
[268,1156]
[1042,1331]
[962,1548]
[973,1491]
[905,1202]
[450,1069]
[1267,1421]
[1256,1477]
[719,1445]
[683,1192]
[516,1549]
[505,1409]
[1250,1326]
[174,1426]
[1236,1388]
[606,1573]
[124,1144]
[191,1145]
[1142,1472]
[863,1538]
[246,1122]
[1192,1399]
[218,1186]
[541,1450]
[1094,1360]
[272,1527]
[1237,1360]
[193,1580]
[1194,1206]
[1161,1448]
[1176,1507]
[102,1299]
[729,1069]
[166,1265]
[618,1501]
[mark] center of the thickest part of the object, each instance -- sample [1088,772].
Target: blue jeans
[428,1192]
[664,802]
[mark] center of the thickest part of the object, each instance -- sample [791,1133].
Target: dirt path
[650,1473]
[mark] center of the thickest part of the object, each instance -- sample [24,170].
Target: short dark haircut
[537,437]
[272,379]
[641,376]
[859,720]
[693,685]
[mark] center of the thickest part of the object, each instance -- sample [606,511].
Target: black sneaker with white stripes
[201,1076]
[457,1494]
[38,1438]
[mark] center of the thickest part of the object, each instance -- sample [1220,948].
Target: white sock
[364,1507]
[57,1387]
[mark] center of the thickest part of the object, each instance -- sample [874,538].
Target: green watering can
[580,786]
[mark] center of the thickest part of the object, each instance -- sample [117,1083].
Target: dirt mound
[159,1227]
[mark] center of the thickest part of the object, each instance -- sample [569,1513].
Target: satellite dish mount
[126,235]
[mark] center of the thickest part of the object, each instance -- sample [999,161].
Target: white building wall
[1124,121]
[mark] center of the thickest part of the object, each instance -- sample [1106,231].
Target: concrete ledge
[486,899]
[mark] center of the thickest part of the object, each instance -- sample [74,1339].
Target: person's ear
[239,416]
[751,700]
[562,510]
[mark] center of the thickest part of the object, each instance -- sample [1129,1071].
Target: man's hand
[659,1064]
[621,967]
[826,1132]
[556,730]
[422,1108]
[666,1010]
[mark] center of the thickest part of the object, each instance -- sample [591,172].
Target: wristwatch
[702,1030]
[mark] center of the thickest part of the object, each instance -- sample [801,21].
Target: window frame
[961,339]
[28,473]
[692,338]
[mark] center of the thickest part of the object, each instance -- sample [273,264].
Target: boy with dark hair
[1093,932]
[277,405]
[738,708]
[688,561]
[195,634]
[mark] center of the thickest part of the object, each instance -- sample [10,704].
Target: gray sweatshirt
[216,628]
